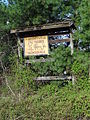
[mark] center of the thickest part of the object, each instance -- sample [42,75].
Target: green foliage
[83,25]
[35,12]
[21,75]
[80,67]
[50,102]
[27,13]
[62,61]
[3,16]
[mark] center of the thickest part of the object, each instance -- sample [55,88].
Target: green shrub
[80,66]
[21,76]
[50,103]
[62,61]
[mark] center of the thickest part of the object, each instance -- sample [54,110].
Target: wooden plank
[53,78]
[72,50]
[58,41]
[61,34]
[49,35]
[44,32]
[40,60]
[62,24]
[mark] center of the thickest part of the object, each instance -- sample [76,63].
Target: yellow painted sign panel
[36,45]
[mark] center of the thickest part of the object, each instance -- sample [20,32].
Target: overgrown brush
[49,103]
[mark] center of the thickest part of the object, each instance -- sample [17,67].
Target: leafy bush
[50,103]
[80,66]
[62,61]
[21,76]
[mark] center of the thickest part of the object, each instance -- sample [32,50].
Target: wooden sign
[36,45]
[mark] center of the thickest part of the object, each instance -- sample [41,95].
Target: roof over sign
[49,26]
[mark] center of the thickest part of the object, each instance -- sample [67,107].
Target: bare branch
[6,80]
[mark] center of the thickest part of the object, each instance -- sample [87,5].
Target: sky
[5,1]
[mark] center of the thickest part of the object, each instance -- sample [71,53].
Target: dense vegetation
[23,99]
[50,102]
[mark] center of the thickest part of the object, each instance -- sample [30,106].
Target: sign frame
[34,40]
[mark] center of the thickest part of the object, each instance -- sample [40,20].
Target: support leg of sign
[72,50]
[71,44]
[19,47]
[18,44]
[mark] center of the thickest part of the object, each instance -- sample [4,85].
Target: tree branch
[6,80]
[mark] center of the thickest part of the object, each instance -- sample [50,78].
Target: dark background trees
[27,13]
[15,14]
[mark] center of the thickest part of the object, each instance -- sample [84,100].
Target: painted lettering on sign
[36,45]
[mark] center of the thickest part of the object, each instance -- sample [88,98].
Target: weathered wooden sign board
[37,45]
[39,40]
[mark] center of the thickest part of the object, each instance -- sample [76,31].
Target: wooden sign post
[38,40]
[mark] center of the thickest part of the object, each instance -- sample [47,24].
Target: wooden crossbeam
[58,41]
[40,60]
[59,34]
[53,78]
[63,24]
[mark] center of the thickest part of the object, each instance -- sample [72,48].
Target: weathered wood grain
[48,26]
